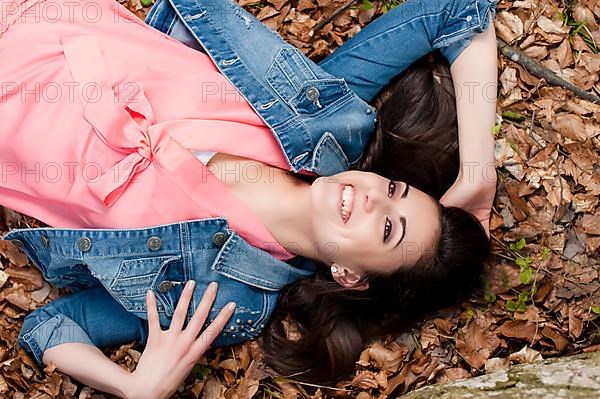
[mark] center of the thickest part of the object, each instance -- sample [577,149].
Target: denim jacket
[323,125]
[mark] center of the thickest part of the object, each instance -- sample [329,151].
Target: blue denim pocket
[136,276]
[316,95]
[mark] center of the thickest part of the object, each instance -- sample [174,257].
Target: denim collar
[241,261]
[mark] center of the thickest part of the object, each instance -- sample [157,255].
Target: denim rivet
[313,94]
[232,328]
[262,326]
[252,330]
[238,321]
[469,18]
[219,238]
[84,244]
[369,111]
[165,286]
[250,321]
[233,335]
[243,334]
[154,243]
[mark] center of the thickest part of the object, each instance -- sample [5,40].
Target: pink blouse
[100,117]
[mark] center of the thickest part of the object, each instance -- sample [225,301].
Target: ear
[349,278]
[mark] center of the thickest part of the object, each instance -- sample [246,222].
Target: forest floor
[542,288]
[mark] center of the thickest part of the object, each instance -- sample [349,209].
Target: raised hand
[170,355]
[475,198]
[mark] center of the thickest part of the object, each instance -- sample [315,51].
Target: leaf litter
[541,295]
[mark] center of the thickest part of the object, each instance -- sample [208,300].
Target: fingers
[152,314]
[213,330]
[182,306]
[201,312]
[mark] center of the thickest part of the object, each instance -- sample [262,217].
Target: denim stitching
[391,31]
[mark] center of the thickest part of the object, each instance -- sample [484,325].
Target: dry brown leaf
[550,26]
[508,26]
[385,359]
[591,224]
[13,254]
[520,329]
[525,355]
[570,126]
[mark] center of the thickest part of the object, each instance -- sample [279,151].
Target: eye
[391,188]
[387,229]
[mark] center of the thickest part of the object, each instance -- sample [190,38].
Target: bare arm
[167,360]
[88,365]
[475,79]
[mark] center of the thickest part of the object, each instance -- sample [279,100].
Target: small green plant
[488,295]
[521,304]
[201,372]
[497,129]
[515,116]
[578,28]
[526,273]
[389,4]
[519,245]
[546,253]
[596,309]
[524,262]
[366,5]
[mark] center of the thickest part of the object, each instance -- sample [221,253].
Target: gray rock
[570,377]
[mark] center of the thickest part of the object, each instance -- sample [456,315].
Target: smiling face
[368,223]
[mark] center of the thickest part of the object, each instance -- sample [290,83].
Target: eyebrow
[403,221]
[402,218]
[405,193]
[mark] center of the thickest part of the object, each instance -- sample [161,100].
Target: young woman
[124,159]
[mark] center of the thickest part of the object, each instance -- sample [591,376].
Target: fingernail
[231,305]
[213,285]
[149,293]
[190,283]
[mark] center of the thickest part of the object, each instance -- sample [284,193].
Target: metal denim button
[165,286]
[219,238]
[45,241]
[154,243]
[469,18]
[84,244]
[313,94]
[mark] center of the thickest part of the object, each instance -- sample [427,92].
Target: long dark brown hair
[415,140]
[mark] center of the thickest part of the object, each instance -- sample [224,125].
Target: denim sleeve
[89,316]
[391,43]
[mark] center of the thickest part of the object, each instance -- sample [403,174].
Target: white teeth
[347,197]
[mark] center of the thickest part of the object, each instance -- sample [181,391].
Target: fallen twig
[542,72]
[329,18]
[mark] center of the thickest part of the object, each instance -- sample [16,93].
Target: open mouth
[346,202]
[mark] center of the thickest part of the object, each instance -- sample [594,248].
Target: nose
[373,200]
